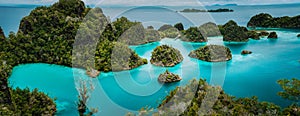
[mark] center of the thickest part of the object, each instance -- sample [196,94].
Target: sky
[157,2]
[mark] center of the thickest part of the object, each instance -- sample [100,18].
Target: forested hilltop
[268,21]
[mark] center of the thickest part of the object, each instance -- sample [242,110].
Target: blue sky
[157,2]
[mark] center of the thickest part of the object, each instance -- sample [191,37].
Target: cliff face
[266,20]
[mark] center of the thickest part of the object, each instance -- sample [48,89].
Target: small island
[199,10]
[193,34]
[166,56]
[245,52]
[212,53]
[169,31]
[298,35]
[232,32]
[168,77]
[273,35]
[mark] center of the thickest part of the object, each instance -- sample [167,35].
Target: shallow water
[117,93]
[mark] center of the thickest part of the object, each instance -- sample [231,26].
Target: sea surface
[120,92]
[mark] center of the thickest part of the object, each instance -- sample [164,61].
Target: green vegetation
[47,35]
[169,31]
[233,33]
[2,36]
[273,35]
[166,56]
[193,34]
[168,77]
[179,26]
[266,20]
[210,29]
[213,101]
[212,53]
[197,10]
[253,35]
[291,89]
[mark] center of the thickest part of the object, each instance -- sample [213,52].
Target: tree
[179,26]
[291,89]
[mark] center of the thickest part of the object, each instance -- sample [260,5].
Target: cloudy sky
[156,2]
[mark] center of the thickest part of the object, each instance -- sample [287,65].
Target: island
[298,35]
[245,52]
[268,21]
[233,33]
[210,29]
[212,53]
[253,35]
[273,35]
[166,56]
[193,34]
[168,31]
[216,10]
[168,77]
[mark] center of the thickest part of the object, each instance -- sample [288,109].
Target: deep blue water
[118,93]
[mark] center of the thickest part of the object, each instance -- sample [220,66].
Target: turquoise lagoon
[119,92]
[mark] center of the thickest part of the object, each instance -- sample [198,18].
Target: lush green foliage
[212,53]
[233,33]
[193,34]
[166,56]
[266,20]
[291,89]
[253,35]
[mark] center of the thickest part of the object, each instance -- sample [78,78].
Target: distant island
[268,21]
[199,10]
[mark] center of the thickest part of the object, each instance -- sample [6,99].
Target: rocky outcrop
[253,35]
[264,33]
[212,53]
[168,77]
[244,52]
[92,72]
[298,35]
[233,33]
[273,35]
[166,56]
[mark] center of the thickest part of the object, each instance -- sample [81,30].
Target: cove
[120,92]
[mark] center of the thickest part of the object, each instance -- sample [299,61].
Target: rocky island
[268,21]
[193,34]
[216,10]
[244,52]
[298,35]
[166,56]
[168,77]
[169,31]
[210,29]
[212,53]
[233,33]
[273,35]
